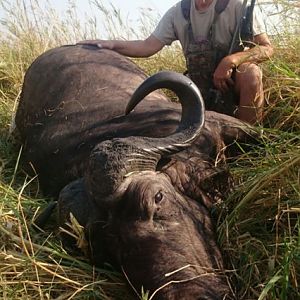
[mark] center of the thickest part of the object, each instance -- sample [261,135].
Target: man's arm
[262,51]
[138,48]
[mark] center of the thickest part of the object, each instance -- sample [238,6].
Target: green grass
[258,225]
[260,229]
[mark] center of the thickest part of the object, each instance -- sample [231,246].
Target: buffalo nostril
[158,197]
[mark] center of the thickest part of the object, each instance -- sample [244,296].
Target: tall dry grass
[258,226]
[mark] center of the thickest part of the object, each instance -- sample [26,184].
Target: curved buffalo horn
[192,118]
[114,160]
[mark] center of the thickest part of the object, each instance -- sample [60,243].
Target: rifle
[243,30]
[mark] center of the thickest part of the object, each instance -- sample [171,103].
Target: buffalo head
[137,213]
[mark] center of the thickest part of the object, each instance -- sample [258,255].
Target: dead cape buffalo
[142,183]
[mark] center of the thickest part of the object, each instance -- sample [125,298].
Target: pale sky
[131,10]
[129,6]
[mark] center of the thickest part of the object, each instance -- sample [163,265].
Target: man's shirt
[173,26]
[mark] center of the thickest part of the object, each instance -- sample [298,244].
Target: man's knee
[248,76]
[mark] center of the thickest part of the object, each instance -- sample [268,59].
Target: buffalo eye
[158,197]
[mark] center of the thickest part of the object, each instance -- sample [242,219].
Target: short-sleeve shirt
[173,26]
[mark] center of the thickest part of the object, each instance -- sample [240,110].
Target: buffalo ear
[76,211]
[199,179]
[227,134]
